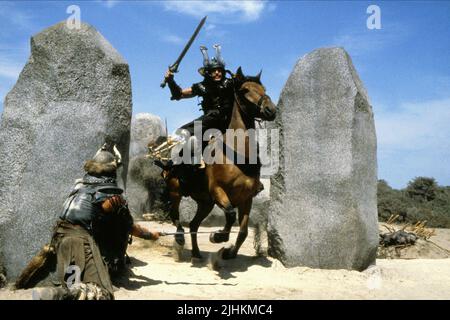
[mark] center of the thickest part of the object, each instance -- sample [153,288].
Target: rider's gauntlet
[175,89]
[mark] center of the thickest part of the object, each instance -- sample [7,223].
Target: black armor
[83,203]
[175,89]
[110,231]
[217,105]
[215,96]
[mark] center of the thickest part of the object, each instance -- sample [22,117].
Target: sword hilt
[172,68]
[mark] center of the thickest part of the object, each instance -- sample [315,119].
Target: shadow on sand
[213,261]
[130,281]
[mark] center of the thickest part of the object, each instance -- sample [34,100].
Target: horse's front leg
[221,198]
[244,213]
[175,199]
[203,209]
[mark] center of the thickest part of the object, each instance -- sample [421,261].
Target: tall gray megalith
[74,90]
[323,211]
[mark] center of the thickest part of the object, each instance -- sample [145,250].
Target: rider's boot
[50,293]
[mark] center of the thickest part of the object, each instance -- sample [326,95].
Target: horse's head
[253,95]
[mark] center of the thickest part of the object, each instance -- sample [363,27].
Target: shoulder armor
[79,206]
[199,89]
[228,83]
[103,192]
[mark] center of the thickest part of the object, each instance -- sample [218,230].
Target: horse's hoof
[215,261]
[197,260]
[179,239]
[196,255]
[219,237]
[229,253]
[177,252]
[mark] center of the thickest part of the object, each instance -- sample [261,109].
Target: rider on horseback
[216,91]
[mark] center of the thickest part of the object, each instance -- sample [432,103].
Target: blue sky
[405,65]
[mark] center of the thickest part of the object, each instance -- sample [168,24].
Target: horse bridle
[258,104]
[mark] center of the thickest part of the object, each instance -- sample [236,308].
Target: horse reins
[258,104]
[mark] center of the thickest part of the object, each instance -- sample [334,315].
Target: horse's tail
[38,268]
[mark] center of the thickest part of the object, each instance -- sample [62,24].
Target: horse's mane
[239,79]
[239,82]
[252,79]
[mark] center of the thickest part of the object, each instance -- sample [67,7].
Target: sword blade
[162,234]
[174,67]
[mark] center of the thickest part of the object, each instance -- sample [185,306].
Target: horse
[225,183]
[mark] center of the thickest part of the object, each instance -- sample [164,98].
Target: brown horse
[228,185]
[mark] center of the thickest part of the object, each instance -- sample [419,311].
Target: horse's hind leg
[203,209]
[224,202]
[244,213]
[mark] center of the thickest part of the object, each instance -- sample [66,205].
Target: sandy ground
[154,274]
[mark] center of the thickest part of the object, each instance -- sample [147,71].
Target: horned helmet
[216,62]
[106,160]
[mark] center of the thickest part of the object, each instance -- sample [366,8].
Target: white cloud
[363,40]
[414,126]
[357,44]
[210,27]
[9,69]
[212,31]
[19,19]
[171,38]
[283,73]
[220,11]
[414,140]
[109,3]
[12,59]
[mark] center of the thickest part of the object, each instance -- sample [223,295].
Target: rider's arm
[187,93]
[112,204]
[144,233]
[175,89]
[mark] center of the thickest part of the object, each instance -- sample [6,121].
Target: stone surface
[145,185]
[145,128]
[323,210]
[2,276]
[74,90]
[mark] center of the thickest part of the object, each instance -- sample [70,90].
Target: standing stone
[145,185]
[74,90]
[323,212]
[146,128]
[2,276]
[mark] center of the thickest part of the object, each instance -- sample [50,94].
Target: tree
[422,189]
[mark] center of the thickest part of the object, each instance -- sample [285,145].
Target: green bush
[423,199]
